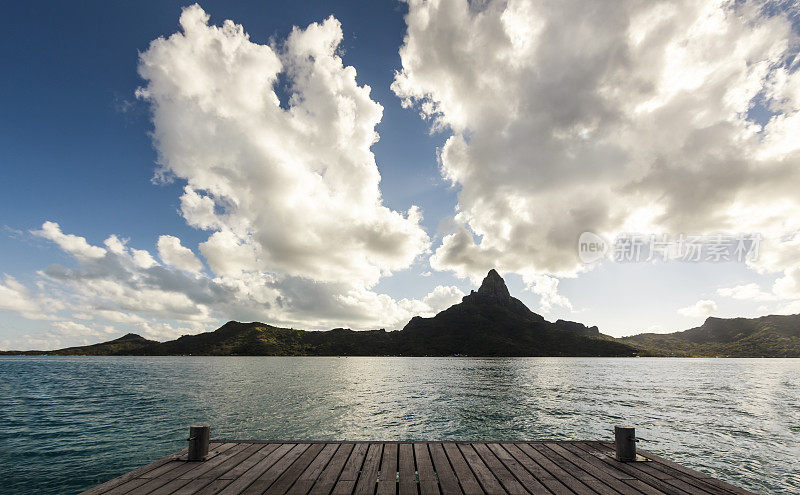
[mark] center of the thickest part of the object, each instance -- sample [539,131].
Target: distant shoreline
[4,354]
[486,323]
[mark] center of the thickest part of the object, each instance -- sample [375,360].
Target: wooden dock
[326,468]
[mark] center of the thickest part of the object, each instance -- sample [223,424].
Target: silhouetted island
[489,322]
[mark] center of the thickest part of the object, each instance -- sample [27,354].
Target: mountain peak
[493,291]
[494,286]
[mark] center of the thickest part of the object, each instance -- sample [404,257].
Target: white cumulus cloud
[700,309]
[15,297]
[173,253]
[747,292]
[546,287]
[289,188]
[72,244]
[567,116]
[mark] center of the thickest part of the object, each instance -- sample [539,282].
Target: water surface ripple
[67,423]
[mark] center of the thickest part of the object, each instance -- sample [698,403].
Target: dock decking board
[414,468]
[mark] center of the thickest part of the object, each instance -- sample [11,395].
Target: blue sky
[534,155]
[75,137]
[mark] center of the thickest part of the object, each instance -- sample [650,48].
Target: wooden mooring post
[199,436]
[625,443]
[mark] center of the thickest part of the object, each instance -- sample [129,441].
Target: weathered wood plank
[313,471]
[244,466]
[688,482]
[292,474]
[369,473]
[328,478]
[148,487]
[387,482]
[263,482]
[214,470]
[415,468]
[136,473]
[347,480]
[727,487]
[567,467]
[202,486]
[163,475]
[482,473]
[618,480]
[407,482]
[659,484]
[223,452]
[469,484]
[261,467]
[182,487]
[127,486]
[594,461]
[198,469]
[162,470]
[354,463]
[603,475]
[499,471]
[213,487]
[573,483]
[518,470]
[544,477]
[427,469]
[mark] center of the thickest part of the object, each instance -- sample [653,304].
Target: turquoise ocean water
[67,423]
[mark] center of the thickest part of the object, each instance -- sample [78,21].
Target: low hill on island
[124,345]
[767,336]
[488,322]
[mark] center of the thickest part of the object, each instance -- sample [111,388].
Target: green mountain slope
[767,336]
